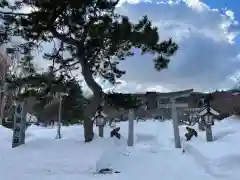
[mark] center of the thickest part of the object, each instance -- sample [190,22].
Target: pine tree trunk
[88,129]
[95,101]
[89,112]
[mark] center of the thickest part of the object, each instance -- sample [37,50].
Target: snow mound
[5,131]
[5,139]
[235,117]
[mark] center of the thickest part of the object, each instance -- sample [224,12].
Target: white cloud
[196,4]
[124,87]
[132,87]
[207,55]
[230,14]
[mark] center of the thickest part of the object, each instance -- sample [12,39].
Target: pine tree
[73,103]
[96,37]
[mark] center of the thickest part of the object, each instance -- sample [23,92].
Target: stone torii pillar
[175,123]
[175,119]
[131,117]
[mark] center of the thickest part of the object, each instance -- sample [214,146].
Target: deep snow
[153,156]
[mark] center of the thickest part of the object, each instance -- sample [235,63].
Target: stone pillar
[209,136]
[201,126]
[101,131]
[19,126]
[175,124]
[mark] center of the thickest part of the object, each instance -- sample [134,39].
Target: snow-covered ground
[153,156]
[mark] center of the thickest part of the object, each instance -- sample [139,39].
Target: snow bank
[5,139]
[152,157]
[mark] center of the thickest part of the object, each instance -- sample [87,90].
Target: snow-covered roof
[207,110]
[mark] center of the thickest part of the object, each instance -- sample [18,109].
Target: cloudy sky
[207,32]
[207,35]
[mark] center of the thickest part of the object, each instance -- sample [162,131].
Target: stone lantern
[207,114]
[99,119]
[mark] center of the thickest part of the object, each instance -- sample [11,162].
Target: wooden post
[59,117]
[131,127]
[175,124]
[23,122]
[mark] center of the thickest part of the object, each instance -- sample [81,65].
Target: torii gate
[174,115]
[173,96]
